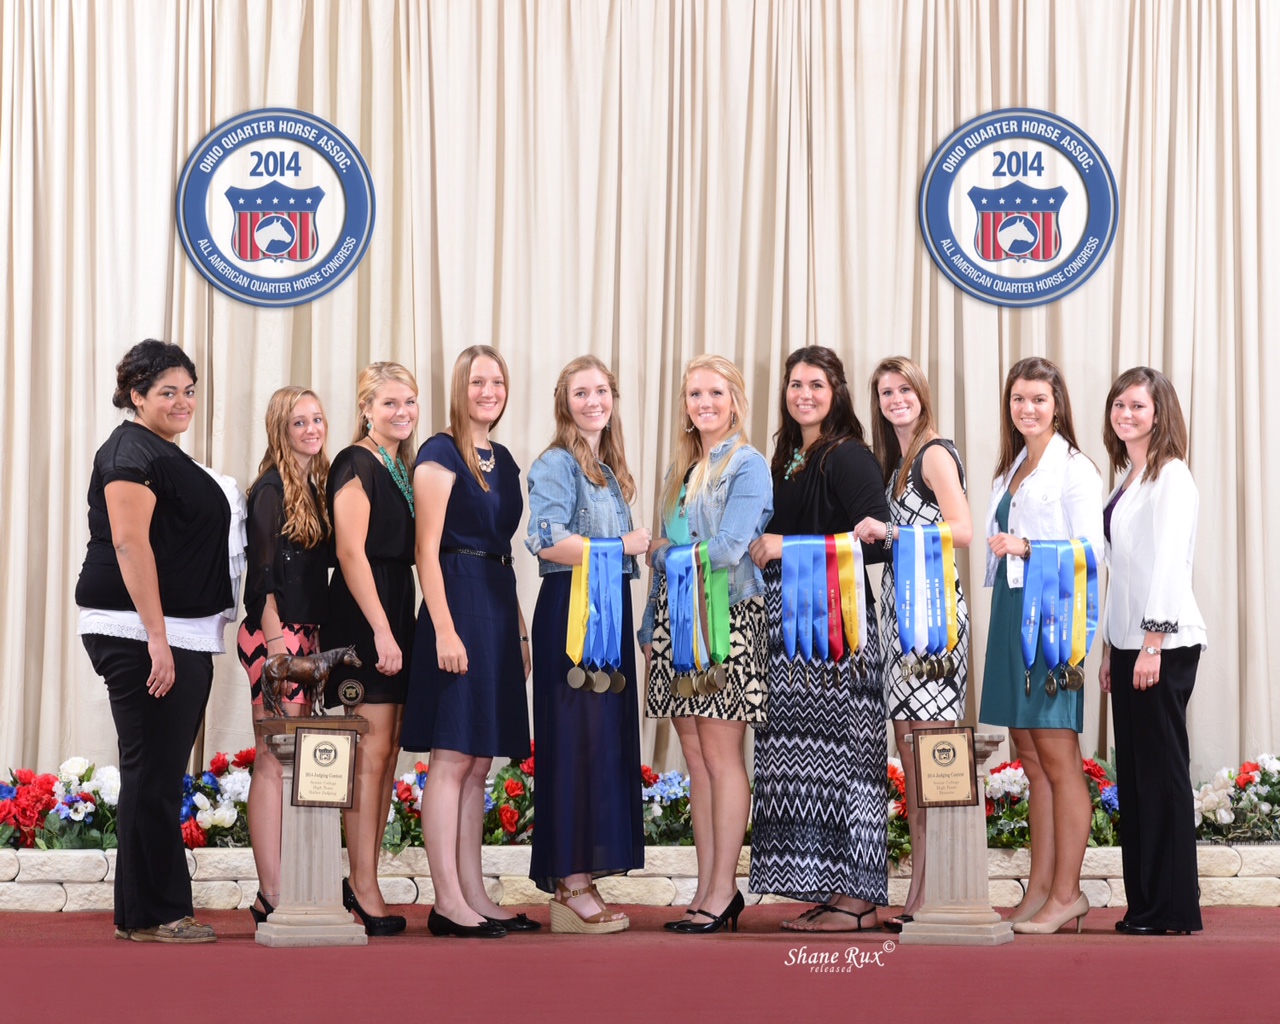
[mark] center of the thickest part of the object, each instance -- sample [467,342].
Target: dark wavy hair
[143,365]
[841,422]
[1168,427]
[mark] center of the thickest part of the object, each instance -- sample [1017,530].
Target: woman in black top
[819,819]
[286,589]
[371,606]
[154,595]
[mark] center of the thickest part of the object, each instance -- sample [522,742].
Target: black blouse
[832,493]
[189,527]
[296,575]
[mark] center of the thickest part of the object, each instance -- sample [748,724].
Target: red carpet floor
[68,967]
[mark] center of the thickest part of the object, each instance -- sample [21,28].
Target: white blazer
[1152,548]
[1061,499]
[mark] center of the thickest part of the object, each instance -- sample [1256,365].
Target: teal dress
[1004,685]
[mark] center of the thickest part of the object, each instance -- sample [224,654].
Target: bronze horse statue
[311,672]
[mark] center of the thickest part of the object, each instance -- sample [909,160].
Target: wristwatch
[1151,650]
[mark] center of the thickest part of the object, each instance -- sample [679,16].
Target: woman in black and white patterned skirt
[818,819]
[924,482]
[718,491]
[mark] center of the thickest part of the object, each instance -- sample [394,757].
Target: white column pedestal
[310,911]
[957,907]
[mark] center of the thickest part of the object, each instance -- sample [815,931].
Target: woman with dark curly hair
[819,820]
[155,594]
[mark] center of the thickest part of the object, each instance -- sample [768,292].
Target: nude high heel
[1075,912]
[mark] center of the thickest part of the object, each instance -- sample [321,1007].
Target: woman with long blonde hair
[718,491]
[467,699]
[581,489]
[285,594]
[371,605]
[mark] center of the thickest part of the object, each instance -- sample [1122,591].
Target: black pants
[155,735]
[1157,817]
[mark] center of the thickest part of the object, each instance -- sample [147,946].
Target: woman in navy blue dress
[466,701]
[590,819]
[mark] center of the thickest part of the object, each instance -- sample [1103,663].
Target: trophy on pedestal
[317,755]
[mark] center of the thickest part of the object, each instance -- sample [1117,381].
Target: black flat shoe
[729,916]
[894,924]
[1125,928]
[519,923]
[438,924]
[392,924]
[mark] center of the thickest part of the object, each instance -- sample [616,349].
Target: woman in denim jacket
[1045,488]
[718,490]
[589,809]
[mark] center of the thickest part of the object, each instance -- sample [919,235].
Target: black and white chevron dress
[819,808]
[911,699]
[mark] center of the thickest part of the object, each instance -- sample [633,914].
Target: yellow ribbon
[848,588]
[1079,613]
[949,585]
[579,606]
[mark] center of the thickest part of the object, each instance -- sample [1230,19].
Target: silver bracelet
[888,535]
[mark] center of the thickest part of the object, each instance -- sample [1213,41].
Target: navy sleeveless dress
[483,712]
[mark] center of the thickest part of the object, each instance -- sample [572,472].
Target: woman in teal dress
[1045,488]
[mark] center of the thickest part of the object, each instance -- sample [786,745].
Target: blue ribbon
[1066,599]
[1091,604]
[1032,591]
[904,571]
[818,596]
[804,596]
[680,582]
[933,580]
[604,596]
[1049,645]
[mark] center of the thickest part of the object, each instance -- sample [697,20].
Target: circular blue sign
[1018,207]
[275,207]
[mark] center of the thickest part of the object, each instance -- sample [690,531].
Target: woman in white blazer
[1153,634]
[1045,489]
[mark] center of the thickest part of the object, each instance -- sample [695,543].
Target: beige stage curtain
[645,180]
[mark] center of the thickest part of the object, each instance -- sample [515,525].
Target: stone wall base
[226,879]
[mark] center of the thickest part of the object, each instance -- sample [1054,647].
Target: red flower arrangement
[509,817]
[245,758]
[193,836]
[648,775]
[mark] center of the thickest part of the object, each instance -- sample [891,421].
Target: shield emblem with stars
[275,222]
[1018,222]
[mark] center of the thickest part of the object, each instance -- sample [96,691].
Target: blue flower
[1111,799]
[63,810]
[8,792]
[187,805]
[211,780]
[188,784]
[489,803]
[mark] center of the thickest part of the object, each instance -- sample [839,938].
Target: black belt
[503,559]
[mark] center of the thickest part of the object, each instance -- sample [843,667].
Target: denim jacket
[728,515]
[563,502]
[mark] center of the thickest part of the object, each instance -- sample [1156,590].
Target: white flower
[59,790]
[1264,807]
[1225,816]
[893,809]
[79,809]
[235,785]
[70,771]
[391,812]
[107,783]
[201,801]
[1269,764]
[225,814]
[656,809]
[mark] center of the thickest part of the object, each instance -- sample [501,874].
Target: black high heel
[674,926]
[260,916]
[392,924]
[727,916]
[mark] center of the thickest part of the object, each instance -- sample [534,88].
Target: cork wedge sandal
[565,920]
